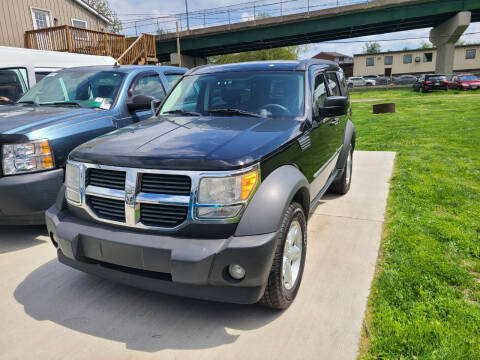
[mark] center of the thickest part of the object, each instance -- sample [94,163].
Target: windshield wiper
[183,112]
[63,103]
[234,112]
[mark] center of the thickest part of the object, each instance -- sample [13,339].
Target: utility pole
[178,47]
[186,12]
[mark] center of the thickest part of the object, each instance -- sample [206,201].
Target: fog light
[236,271]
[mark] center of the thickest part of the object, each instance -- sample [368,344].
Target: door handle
[335,122]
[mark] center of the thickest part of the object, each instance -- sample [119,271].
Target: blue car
[64,110]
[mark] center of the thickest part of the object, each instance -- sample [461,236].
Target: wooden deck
[72,39]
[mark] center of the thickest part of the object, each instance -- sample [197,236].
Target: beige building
[419,61]
[18,16]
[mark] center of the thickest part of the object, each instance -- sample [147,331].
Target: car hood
[20,119]
[190,143]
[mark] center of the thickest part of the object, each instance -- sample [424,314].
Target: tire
[342,185]
[368,84]
[279,293]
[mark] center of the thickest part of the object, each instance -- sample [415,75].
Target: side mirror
[155,105]
[335,106]
[140,102]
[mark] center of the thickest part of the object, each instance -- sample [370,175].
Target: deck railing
[76,40]
[142,47]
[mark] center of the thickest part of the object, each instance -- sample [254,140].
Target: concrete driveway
[49,311]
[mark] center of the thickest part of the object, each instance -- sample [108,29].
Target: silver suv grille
[142,198]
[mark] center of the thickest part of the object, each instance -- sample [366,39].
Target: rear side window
[342,82]
[12,83]
[319,91]
[149,85]
[333,85]
[172,79]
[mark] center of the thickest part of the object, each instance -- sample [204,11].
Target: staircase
[141,51]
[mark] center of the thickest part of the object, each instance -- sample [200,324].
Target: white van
[21,68]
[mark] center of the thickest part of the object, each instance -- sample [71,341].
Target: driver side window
[149,85]
[319,92]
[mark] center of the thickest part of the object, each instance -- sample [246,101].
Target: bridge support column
[187,60]
[444,37]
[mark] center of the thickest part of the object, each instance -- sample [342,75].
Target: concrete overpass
[374,17]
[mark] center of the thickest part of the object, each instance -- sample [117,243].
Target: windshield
[82,87]
[468,78]
[259,93]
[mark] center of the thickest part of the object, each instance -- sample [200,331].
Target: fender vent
[305,142]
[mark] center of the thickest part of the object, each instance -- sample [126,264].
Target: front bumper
[24,198]
[178,266]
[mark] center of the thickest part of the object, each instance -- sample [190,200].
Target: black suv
[210,198]
[431,82]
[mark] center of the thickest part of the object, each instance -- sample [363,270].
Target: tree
[283,53]
[426,45]
[406,48]
[372,48]
[104,8]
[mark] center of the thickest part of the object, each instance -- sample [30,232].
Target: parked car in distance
[62,111]
[431,82]
[211,198]
[355,81]
[383,80]
[405,80]
[20,69]
[465,82]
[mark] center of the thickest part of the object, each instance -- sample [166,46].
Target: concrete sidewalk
[50,311]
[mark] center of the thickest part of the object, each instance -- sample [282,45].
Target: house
[415,62]
[18,16]
[345,61]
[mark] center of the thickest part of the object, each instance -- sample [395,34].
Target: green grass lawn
[425,299]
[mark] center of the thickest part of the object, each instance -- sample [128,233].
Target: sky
[151,14]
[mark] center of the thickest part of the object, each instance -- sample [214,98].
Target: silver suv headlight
[223,197]
[27,157]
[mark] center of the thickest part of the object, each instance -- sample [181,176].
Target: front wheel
[287,268]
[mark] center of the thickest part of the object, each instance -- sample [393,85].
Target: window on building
[388,60]
[427,57]
[41,19]
[407,58]
[370,61]
[470,54]
[79,23]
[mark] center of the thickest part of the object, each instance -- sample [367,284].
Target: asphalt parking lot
[50,311]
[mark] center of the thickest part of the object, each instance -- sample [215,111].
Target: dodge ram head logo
[130,197]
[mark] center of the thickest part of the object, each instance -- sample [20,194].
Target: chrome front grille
[162,215]
[144,198]
[165,184]
[105,208]
[105,178]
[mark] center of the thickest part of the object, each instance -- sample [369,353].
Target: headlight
[72,184]
[224,197]
[27,157]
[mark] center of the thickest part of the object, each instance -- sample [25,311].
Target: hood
[190,143]
[20,119]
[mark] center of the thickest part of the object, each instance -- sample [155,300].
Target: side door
[323,134]
[340,90]
[148,84]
